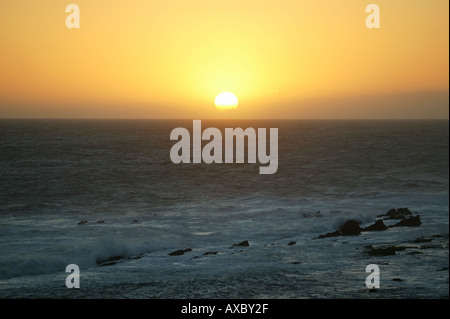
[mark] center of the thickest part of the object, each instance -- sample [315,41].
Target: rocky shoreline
[401,217]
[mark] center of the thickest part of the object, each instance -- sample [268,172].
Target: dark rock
[415,253]
[423,239]
[377,226]
[350,228]
[180,252]
[242,244]
[443,269]
[135,221]
[109,261]
[292,243]
[429,246]
[384,250]
[108,264]
[396,279]
[400,213]
[210,253]
[136,257]
[410,222]
[295,263]
[83,222]
[333,234]
[100,222]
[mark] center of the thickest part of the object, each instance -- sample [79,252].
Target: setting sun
[226,101]
[169,59]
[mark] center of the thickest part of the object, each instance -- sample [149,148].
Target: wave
[90,255]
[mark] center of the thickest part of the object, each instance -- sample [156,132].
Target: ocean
[105,195]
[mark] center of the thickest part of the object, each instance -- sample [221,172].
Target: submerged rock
[210,253]
[377,226]
[136,257]
[109,261]
[180,252]
[399,213]
[83,222]
[410,222]
[422,240]
[292,243]
[350,228]
[384,250]
[333,234]
[244,243]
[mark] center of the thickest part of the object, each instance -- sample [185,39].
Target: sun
[226,101]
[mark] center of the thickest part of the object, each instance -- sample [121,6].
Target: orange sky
[169,59]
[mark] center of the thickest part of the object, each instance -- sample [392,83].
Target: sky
[286,59]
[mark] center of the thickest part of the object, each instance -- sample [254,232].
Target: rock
[377,226]
[108,264]
[384,250]
[135,221]
[333,234]
[109,261]
[242,244]
[83,222]
[100,222]
[210,253]
[295,263]
[423,239]
[180,252]
[410,222]
[350,228]
[292,243]
[400,213]
[430,246]
[136,257]
[396,279]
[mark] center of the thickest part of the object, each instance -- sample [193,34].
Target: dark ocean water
[56,173]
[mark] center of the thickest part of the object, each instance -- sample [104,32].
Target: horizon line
[221,119]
